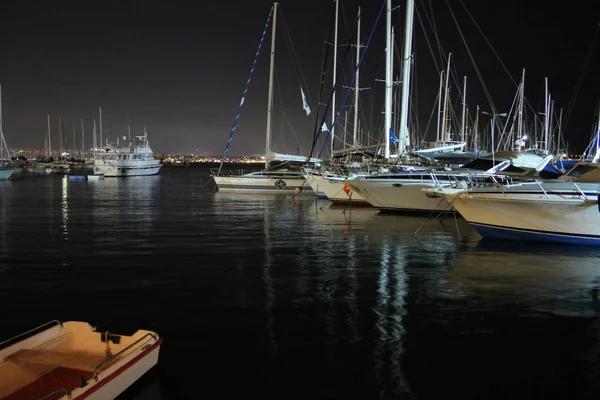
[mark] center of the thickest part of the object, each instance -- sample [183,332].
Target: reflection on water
[64,208]
[269,290]
[125,210]
[389,320]
[273,297]
[554,279]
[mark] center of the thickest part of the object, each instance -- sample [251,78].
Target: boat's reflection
[127,204]
[556,279]
[318,269]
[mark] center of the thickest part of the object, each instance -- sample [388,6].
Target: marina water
[274,297]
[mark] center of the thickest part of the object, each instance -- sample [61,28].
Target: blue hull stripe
[493,231]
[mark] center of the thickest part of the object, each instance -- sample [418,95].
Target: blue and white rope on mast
[239,111]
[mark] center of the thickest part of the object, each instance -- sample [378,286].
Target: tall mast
[49,138]
[521,104]
[393,110]
[356,87]
[270,99]
[94,137]
[464,109]
[82,139]
[551,135]
[388,78]
[60,133]
[335,46]
[439,113]
[547,119]
[73,144]
[475,137]
[444,127]
[100,112]
[408,30]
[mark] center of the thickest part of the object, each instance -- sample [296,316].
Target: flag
[304,102]
[393,138]
[324,128]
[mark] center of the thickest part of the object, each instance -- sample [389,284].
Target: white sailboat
[565,210]
[271,179]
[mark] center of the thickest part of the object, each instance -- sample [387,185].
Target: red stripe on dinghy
[112,376]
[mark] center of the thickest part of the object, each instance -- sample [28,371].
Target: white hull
[556,218]
[332,188]
[121,380]
[6,173]
[261,184]
[399,194]
[118,169]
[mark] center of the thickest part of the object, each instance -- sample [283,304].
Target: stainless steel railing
[53,322]
[95,376]
[61,390]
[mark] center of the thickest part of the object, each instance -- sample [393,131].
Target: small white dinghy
[70,360]
[95,177]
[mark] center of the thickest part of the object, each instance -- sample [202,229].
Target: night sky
[180,67]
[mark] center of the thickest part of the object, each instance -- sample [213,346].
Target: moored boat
[136,159]
[565,210]
[71,360]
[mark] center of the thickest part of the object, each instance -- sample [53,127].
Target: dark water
[274,298]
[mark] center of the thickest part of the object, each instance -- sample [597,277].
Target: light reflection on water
[271,293]
[65,206]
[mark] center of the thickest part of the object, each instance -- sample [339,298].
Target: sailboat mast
[82,139]
[521,104]
[408,29]
[49,138]
[100,112]
[475,137]
[439,113]
[335,46]
[464,110]
[546,121]
[270,99]
[60,137]
[356,86]
[388,78]
[94,137]
[551,134]
[444,126]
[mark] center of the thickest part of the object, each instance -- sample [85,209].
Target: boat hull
[332,188]
[121,170]
[574,220]
[114,384]
[6,173]
[400,195]
[259,184]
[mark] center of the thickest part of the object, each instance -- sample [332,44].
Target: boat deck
[85,362]
[54,370]
[58,378]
